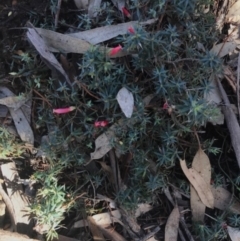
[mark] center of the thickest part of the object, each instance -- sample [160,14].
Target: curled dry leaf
[126,101]
[171,229]
[202,165]
[42,48]
[203,189]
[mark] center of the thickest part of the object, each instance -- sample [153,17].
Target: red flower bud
[101,123]
[131,30]
[64,110]
[126,13]
[115,50]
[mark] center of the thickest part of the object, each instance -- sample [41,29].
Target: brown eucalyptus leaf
[95,230]
[202,165]
[171,229]
[203,189]
[224,200]
[101,34]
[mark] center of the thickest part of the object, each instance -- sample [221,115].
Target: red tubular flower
[101,123]
[165,106]
[64,110]
[131,30]
[115,50]
[126,12]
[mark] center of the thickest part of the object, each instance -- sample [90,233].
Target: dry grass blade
[203,189]
[202,165]
[171,229]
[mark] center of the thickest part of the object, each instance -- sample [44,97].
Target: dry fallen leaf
[234,233]
[95,230]
[58,42]
[171,229]
[213,97]
[202,165]
[14,102]
[21,123]
[81,4]
[111,234]
[142,208]
[93,8]
[224,200]
[223,49]
[42,48]
[102,145]
[203,189]
[120,4]
[126,101]
[101,219]
[101,34]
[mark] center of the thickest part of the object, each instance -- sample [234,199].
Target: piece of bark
[6,235]
[19,200]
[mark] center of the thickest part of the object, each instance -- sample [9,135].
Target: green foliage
[10,146]
[51,202]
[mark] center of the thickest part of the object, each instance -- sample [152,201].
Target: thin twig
[57,13]
[149,235]
[43,98]
[238,73]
